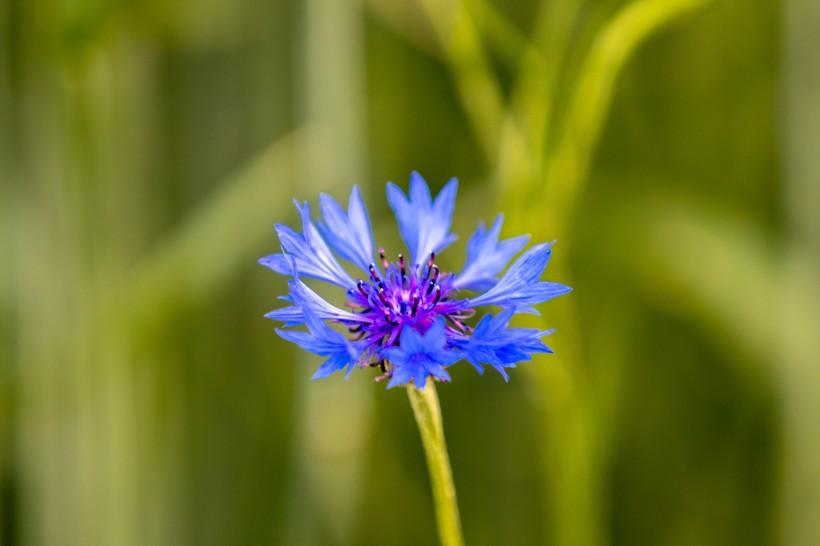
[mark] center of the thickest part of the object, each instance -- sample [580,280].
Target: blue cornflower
[408,317]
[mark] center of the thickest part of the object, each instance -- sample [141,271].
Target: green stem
[428,417]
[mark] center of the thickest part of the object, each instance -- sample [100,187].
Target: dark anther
[382,366]
[436,272]
[354,329]
[415,305]
[431,260]
[438,294]
[373,274]
[387,318]
[361,288]
[403,270]
[383,298]
[381,255]
[430,286]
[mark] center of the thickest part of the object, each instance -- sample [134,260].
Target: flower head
[407,317]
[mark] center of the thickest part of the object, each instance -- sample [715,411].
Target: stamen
[457,323]
[400,291]
[403,270]
[383,298]
[438,294]
[388,319]
[467,313]
[382,366]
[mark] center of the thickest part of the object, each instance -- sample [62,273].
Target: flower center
[401,294]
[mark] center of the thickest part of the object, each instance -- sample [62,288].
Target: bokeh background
[148,147]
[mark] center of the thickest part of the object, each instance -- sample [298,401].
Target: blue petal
[324,341]
[309,252]
[424,224]
[420,356]
[486,257]
[519,288]
[291,316]
[305,298]
[501,347]
[349,233]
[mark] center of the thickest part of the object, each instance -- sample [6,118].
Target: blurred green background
[670,146]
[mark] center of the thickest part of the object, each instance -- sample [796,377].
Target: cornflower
[407,317]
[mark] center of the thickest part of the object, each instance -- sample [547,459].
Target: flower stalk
[427,411]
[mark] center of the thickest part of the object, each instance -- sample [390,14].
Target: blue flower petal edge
[405,316]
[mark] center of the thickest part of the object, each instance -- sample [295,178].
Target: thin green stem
[428,417]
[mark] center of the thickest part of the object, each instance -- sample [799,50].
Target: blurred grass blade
[333,417]
[475,81]
[616,43]
[801,345]
[223,236]
[547,204]
[766,306]
[719,269]
[799,374]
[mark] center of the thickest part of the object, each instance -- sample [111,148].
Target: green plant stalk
[615,44]
[427,410]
